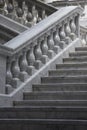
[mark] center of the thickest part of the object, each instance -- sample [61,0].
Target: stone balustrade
[26,12]
[27,53]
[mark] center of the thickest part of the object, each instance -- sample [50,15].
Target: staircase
[58,102]
[30,99]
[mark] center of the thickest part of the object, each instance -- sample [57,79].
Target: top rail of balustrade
[26,38]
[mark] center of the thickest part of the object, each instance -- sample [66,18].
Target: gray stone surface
[2,74]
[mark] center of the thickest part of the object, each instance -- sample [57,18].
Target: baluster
[68,32]
[31,61]
[20,13]
[2,7]
[67,29]
[29,19]
[23,66]
[10,9]
[62,36]
[83,42]
[62,33]
[15,72]
[44,49]
[56,40]
[73,29]
[50,43]
[25,9]
[44,14]
[34,14]
[9,87]
[39,19]
[38,54]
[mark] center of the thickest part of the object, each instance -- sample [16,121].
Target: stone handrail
[28,52]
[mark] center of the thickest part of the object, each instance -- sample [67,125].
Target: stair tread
[81,69]
[75,76]
[56,84]
[77,52]
[51,120]
[54,92]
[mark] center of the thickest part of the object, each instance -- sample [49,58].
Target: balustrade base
[51,54]
[31,70]
[38,64]
[23,76]
[45,59]
[16,82]
[9,89]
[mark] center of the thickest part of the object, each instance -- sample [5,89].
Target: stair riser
[74,60]
[60,87]
[71,66]
[56,96]
[81,49]
[46,114]
[50,103]
[77,54]
[63,80]
[42,125]
[65,72]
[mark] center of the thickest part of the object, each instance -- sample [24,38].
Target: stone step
[55,95]
[44,112]
[42,124]
[64,79]
[72,65]
[75,59]
[65,72]
[60,87]
[81,48]
[78,53]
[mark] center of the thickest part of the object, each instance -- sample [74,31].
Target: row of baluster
[24,64]
[21,12]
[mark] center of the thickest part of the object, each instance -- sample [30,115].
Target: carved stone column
[38,54]
[31,61]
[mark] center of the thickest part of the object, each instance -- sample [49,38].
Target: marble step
[60,87]
[65,72]
[75,59]
[55,95]
[64,79]
[44,112]
[72,65]
[42,124]
[78,53]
